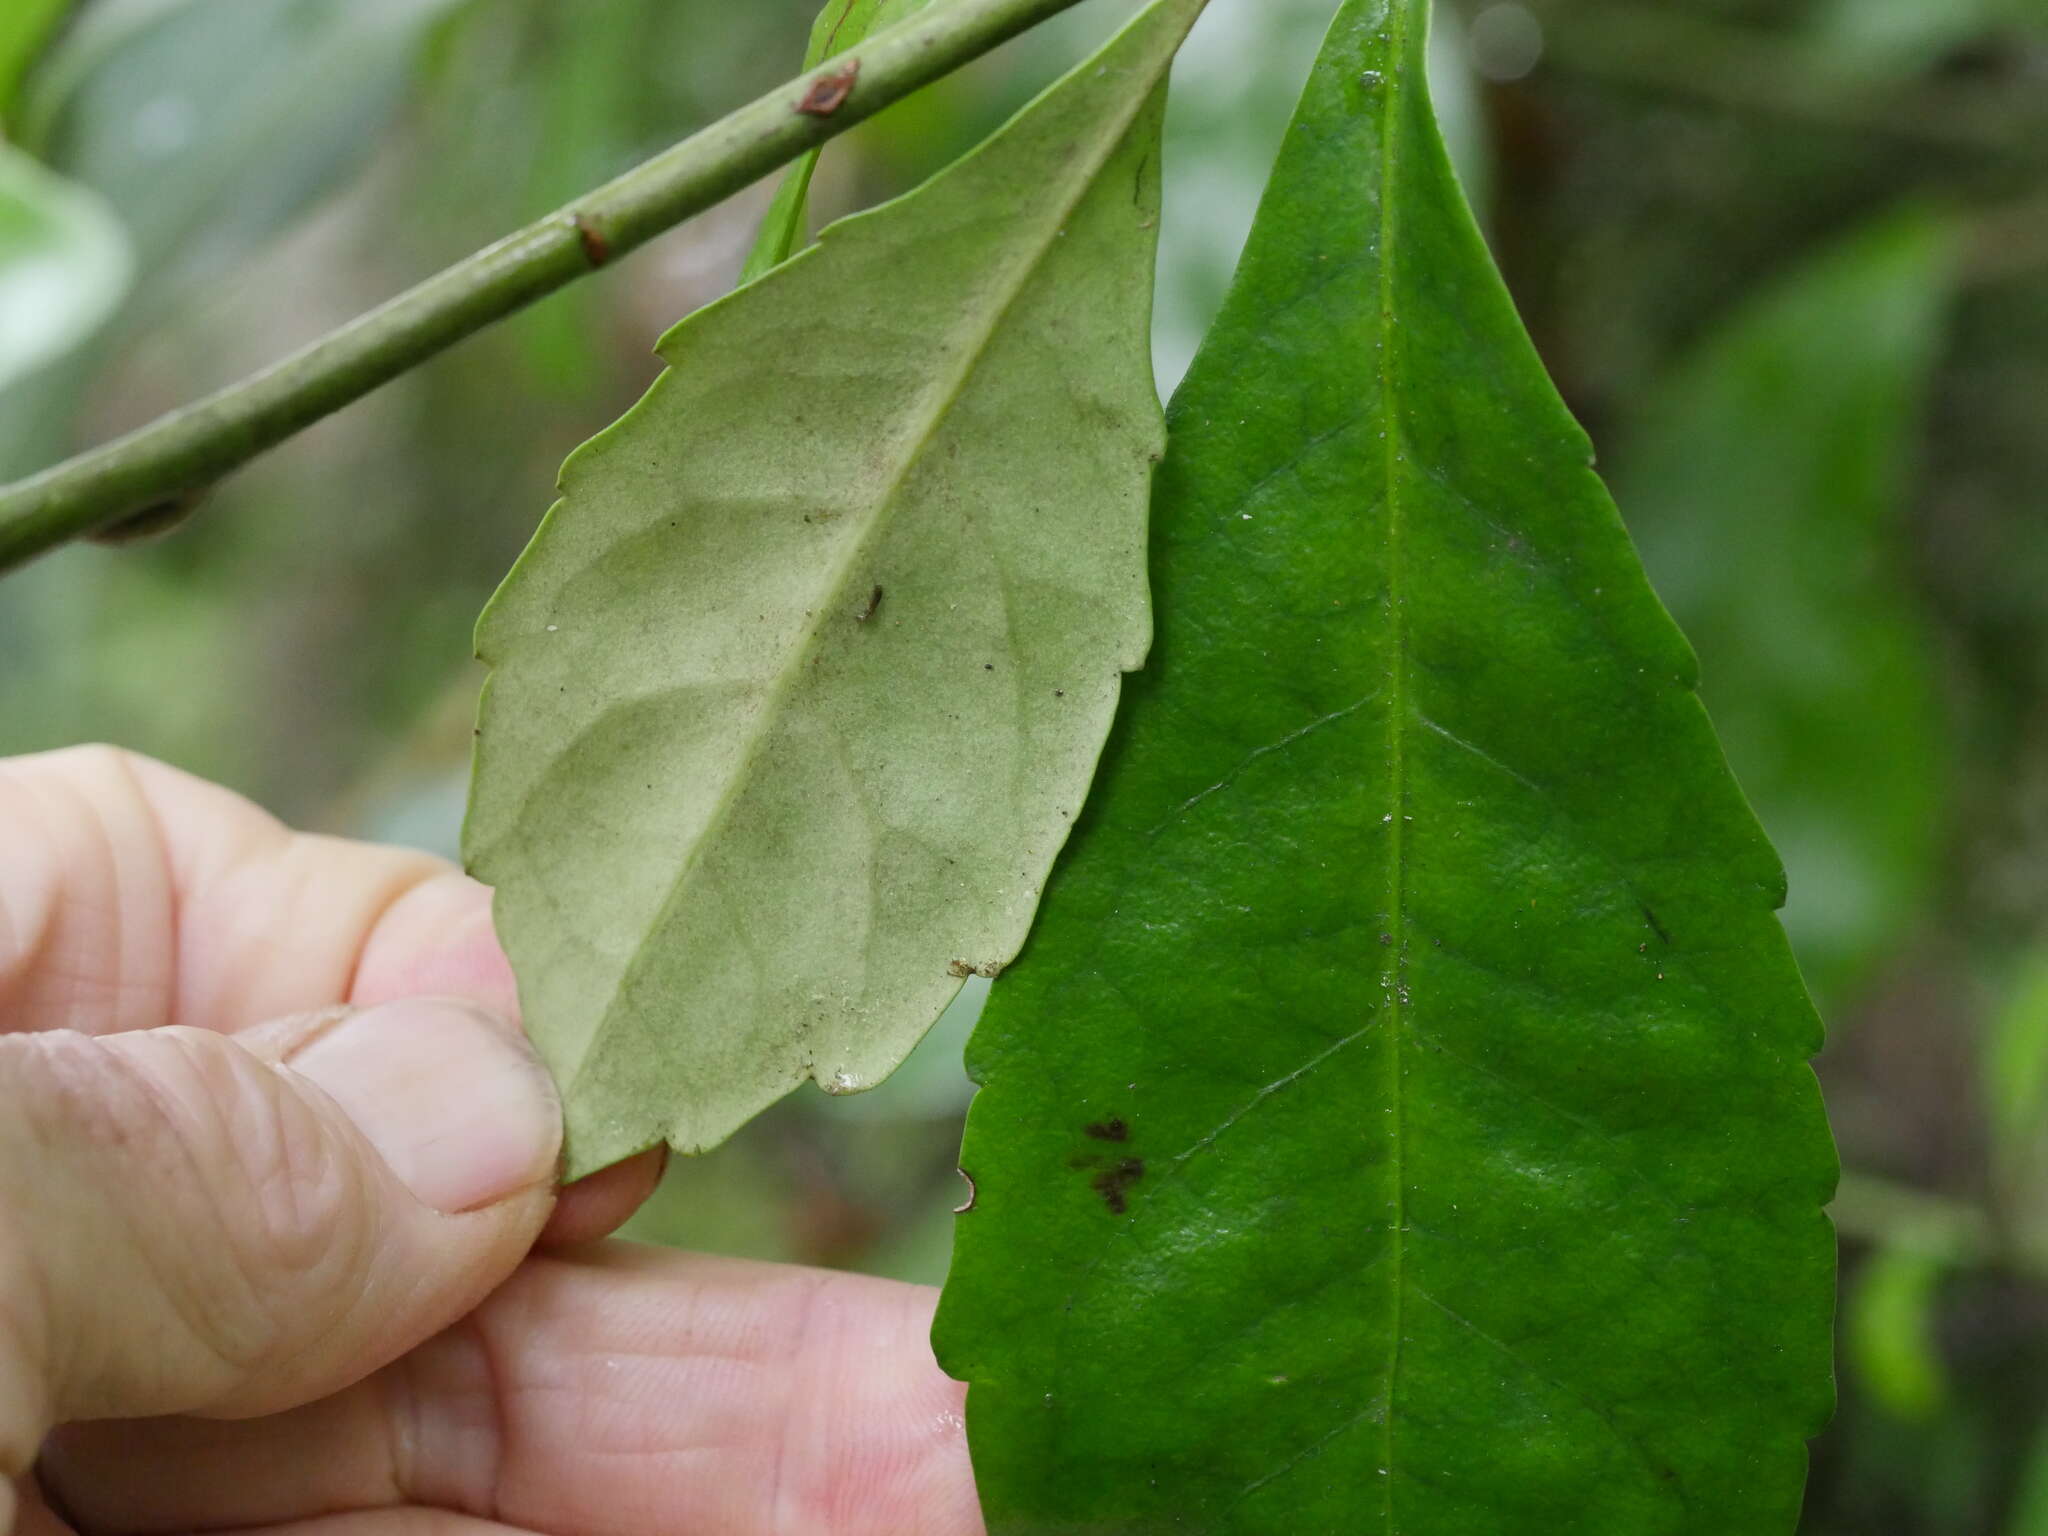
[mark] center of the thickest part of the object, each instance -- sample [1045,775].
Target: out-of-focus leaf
[1895,36]
[1400,1121]
[841,25]
[1766,486]
[798,688]
[25,25]
[2015,1087]
[64,264]
[2016,1061]
[209,126]
[586,136]
[2030,1508]
[1890,1332]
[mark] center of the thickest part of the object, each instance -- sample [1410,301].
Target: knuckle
[202,1170]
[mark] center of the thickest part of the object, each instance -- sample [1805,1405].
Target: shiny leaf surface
[1400,1120]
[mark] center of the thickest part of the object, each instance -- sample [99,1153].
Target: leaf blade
[1415,773]
[836,656]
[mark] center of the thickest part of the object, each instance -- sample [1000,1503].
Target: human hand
[273,1166]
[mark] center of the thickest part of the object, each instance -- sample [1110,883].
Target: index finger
[134,896]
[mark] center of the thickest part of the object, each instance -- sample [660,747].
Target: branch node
[828,93]
[597,250]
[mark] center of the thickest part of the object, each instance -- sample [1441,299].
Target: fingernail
[453,1099]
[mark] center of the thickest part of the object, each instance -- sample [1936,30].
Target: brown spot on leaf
[1110,1130]
[828,93]
[1114,1184]
[874,602]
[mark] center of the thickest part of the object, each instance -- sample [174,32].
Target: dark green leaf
[1400,1121]
[1765,491]
[801,683]
[841,25]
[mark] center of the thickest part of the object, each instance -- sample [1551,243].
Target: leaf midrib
[834,589]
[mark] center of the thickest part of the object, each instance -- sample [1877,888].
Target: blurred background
[1787,259]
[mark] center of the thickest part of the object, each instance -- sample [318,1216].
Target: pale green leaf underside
[801,683]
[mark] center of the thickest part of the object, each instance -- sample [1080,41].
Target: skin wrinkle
[784,1500]
[122,766]
[22,1362]
[476,1441]
[259,868]
[21,940]
[138,1117]
[32,968]
[79,832]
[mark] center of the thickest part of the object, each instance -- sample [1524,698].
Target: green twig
[153,473]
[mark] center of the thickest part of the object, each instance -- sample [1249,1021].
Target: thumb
[198,1223]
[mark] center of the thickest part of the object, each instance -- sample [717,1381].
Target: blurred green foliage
[1829,431]
[1786,567]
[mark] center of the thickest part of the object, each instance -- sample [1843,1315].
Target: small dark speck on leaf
[874,602]
[988,666]
[1656,927]
[1110,1130]
[1059,693]
[828,93]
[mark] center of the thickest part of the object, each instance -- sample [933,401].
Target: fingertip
[437,940]
[598,1206]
